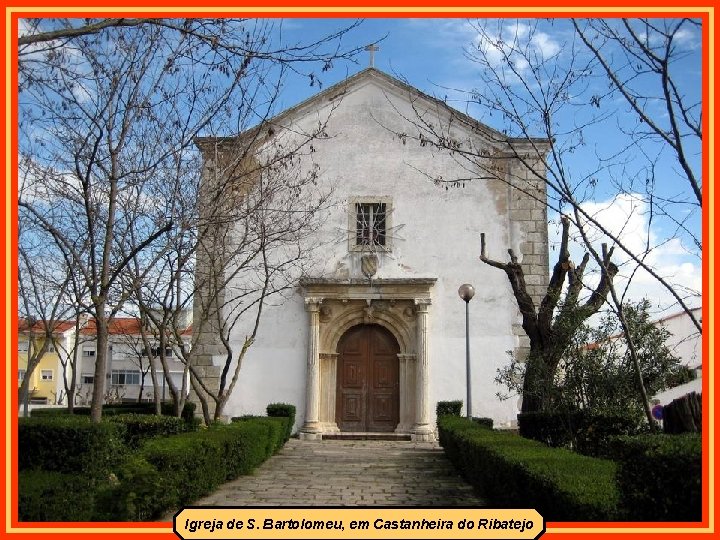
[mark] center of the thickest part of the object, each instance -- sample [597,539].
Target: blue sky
[432,55]
[429,54]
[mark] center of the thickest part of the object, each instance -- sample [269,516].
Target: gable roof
[121,326]
[58,327]
[371,74]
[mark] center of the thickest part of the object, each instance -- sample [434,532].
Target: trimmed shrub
[188,412]
[452,408]
[54,411]
[164,473]
[137,494]
[660,477]
[166,408]
[71,445]
[191,465]
[139,427]
[276,430]
[283,410]
[586,431]
[514,472]
[483,421]
[54,496]
[595,431]
[550,428]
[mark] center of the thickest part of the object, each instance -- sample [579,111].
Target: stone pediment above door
[391,302]
[339,307]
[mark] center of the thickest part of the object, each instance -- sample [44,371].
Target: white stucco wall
[685,342]
[436,234]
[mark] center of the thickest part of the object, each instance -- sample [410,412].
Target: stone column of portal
[422,430]
[328,391]
[407,393]
[312,428]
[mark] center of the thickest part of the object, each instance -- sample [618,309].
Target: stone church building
[372,335]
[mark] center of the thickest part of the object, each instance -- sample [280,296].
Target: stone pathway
[350,473]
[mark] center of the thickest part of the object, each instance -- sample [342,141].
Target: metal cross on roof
[372,48]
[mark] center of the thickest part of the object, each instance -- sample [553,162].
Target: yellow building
[46,379]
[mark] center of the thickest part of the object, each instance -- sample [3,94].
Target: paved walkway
[350,473]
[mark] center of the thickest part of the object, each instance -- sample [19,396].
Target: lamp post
[466,292]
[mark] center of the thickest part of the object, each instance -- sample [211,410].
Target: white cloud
[544,44]
[516,41]
[626,217]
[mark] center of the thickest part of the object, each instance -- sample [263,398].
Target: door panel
[368,380]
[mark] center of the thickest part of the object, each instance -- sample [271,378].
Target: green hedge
[166,408]
[70,444]
[137,495]
[139,427]
[585,431]
[453,408]
[283,410]
[54,496]
[171,472]
[514,472]
[660,477]
[111,484]
[483,421]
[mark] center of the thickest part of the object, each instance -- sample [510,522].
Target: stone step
[361,436]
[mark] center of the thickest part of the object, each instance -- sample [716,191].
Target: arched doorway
[367,380]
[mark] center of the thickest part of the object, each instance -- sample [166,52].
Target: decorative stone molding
[422,429]
[312,428]
[325,313]
[407,399]
[336,305]
[328,374]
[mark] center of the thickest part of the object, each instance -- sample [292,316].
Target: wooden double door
[368,389]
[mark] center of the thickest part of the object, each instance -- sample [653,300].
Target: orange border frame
[14,10]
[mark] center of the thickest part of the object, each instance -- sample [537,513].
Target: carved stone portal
[402,307]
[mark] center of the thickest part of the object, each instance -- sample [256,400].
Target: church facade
[371,336]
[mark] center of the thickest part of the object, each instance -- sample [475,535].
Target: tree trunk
[550,334]
[539,378]
[96,403]
[203,401]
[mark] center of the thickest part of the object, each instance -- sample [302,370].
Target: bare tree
[44,285]
[539,91]
[69,350]
[260,201]
[551,333]
[107,116]
[565,94]
[640,58]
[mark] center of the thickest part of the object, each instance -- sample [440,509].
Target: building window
[87,379]
[46,374]
[51,347]
[156,352]
[21,375]
[23,346]
[123,377]
[89,353]
[369,223]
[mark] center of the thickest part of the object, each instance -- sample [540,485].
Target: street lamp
[466,292]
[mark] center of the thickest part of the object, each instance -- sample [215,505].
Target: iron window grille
[371,224]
